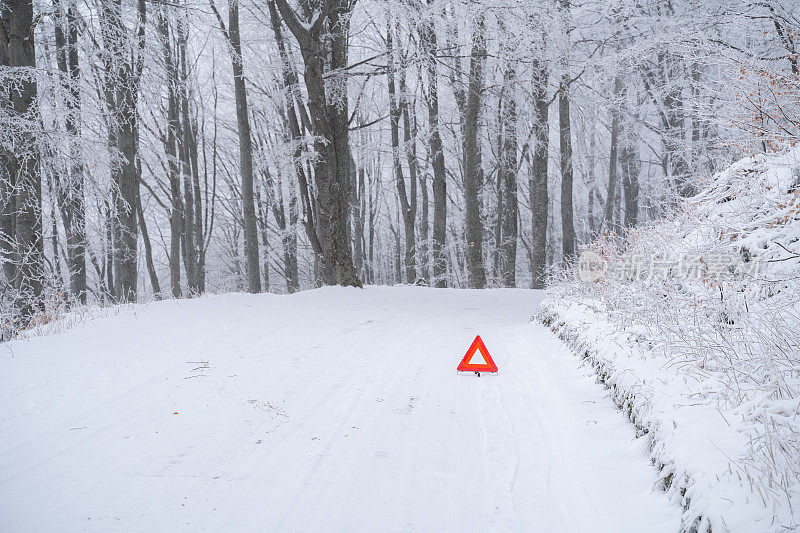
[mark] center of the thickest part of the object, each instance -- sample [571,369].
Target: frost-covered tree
[462,144]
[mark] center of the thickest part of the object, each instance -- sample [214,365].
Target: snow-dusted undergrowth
[708,367]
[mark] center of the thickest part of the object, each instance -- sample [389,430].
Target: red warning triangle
[466,366]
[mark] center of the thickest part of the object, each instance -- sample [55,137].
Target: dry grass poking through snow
[709,368]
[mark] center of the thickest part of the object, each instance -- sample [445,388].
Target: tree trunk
[263,228]
[70,193]
[7,217]
[408,206]
[508,208]
[539,199]
[592,181]
[498,211]
[8,170]
[126,199]
[288,85]
[335,222]
[372,211]
[472,159]
[696,110]
[21,180]
[608,215]
[109,251]
[357,205]
[176,204]
[427,36]
[123,70]
[188,169]
[630,166]
[274,196]
[424,237]
[245,154]
[148,253]
[55,263]
[290,268]
[410,144]
[617,218]
[199,234]
[565,143]
[326,38]
[675,140]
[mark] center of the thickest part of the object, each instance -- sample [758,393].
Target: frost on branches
[706,362]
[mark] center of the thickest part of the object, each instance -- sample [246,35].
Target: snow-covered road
[336,409]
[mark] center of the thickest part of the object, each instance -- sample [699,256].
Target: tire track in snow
[371,428]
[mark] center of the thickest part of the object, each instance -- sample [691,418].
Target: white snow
[335,409]
[477,358]
[708,367]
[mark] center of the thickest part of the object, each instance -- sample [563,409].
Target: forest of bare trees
[156,149]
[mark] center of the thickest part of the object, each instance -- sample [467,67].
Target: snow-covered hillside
[695,327]
[335,409]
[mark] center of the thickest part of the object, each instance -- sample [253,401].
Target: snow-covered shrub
[54,306]
[704,354]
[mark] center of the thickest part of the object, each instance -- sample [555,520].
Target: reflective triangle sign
[472,360]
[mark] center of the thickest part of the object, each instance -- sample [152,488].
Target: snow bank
[706,359]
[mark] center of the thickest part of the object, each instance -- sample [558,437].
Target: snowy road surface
[336,409]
